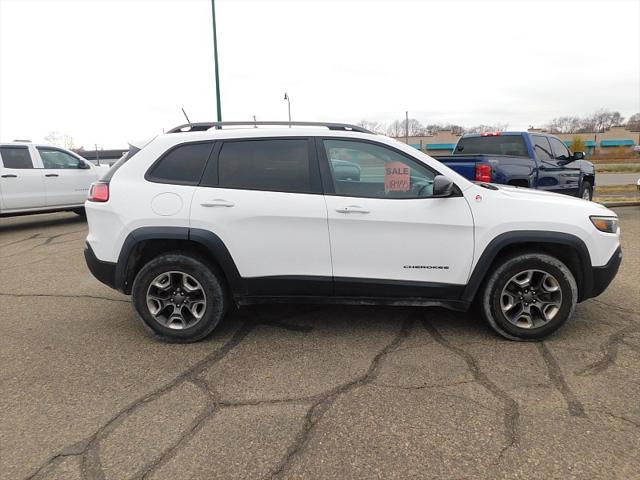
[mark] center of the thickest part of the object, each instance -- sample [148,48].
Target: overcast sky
[109,71]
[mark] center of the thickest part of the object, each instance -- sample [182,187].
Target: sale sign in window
[397,177]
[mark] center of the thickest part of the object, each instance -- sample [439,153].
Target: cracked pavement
[304,391]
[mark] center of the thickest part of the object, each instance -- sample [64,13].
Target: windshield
[493,145]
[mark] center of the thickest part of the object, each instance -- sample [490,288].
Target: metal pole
[215,59]
[406,126]
[286,97]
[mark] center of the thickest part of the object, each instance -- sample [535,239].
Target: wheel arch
[145,243]
[569,249]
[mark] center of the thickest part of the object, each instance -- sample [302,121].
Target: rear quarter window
[495,145]
[181,165]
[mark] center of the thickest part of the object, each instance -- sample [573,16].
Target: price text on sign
[397,177]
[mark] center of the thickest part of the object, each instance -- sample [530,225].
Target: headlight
[605,224]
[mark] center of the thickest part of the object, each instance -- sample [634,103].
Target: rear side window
[16,157]
[182,165]
[493,145]
[274,165]
[542,147]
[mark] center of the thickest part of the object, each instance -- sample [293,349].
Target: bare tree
[374,126]
[416,129]
[566,124]
[498,127]
[634,122]
[396,128]
[60,139]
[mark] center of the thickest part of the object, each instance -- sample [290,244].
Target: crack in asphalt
[324,401]
[89,449]
[575,407]
[60,295]
[609,349]
[511,410]
[47,241]
[15,242]
[91,468]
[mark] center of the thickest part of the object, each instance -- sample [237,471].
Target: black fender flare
[213,244]
[509,239]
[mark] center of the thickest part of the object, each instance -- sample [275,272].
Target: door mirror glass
[442,186]
[578,156]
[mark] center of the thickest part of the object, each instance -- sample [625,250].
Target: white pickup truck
[42,178]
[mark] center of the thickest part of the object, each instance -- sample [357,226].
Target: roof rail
[202,126]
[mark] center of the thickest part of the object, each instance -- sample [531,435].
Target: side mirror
[442,186]
[578,156]
[83,165]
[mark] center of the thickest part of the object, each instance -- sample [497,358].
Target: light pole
[286,97]
[215,59]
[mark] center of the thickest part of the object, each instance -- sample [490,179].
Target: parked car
[41,178]
[202,218]
[523,159]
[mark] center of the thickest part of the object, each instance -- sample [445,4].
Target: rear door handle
[217,202]
[51,175]
[352,209]
[9,175]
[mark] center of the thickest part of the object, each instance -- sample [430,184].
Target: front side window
[183,165]
[542,147]
[16,157]
[56,159]
[560,151]
[362,169]
[280,165]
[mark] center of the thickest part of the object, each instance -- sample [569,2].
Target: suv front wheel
[529,296]
[179,298]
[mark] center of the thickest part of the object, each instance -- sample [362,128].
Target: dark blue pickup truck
[523,159]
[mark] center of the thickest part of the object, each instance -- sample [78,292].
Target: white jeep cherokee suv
[208,216]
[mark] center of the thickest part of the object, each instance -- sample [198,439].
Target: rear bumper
[601,277]
[103,271]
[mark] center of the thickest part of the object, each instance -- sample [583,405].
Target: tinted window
[16,157]
[183,165]
[560,151]
[57,159]
[279,165]
[542,147]
[362,169]
[493,145]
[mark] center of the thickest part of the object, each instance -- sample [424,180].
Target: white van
[42,178]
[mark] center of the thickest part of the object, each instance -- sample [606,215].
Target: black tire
[586,189]
[491,296]
[212,284]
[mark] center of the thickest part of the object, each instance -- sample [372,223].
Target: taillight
[483,173]
[99,192]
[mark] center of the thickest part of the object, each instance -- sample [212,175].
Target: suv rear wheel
[179,298]
[529,296]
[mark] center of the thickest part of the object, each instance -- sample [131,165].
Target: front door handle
[51,175]
[217,202]
[9,175]
[352,209]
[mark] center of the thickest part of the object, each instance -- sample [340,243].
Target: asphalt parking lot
[303,391]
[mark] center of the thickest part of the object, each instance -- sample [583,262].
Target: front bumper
[601,277]
[103,271]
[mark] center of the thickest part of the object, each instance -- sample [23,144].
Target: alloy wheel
[531,299]
[176,300]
